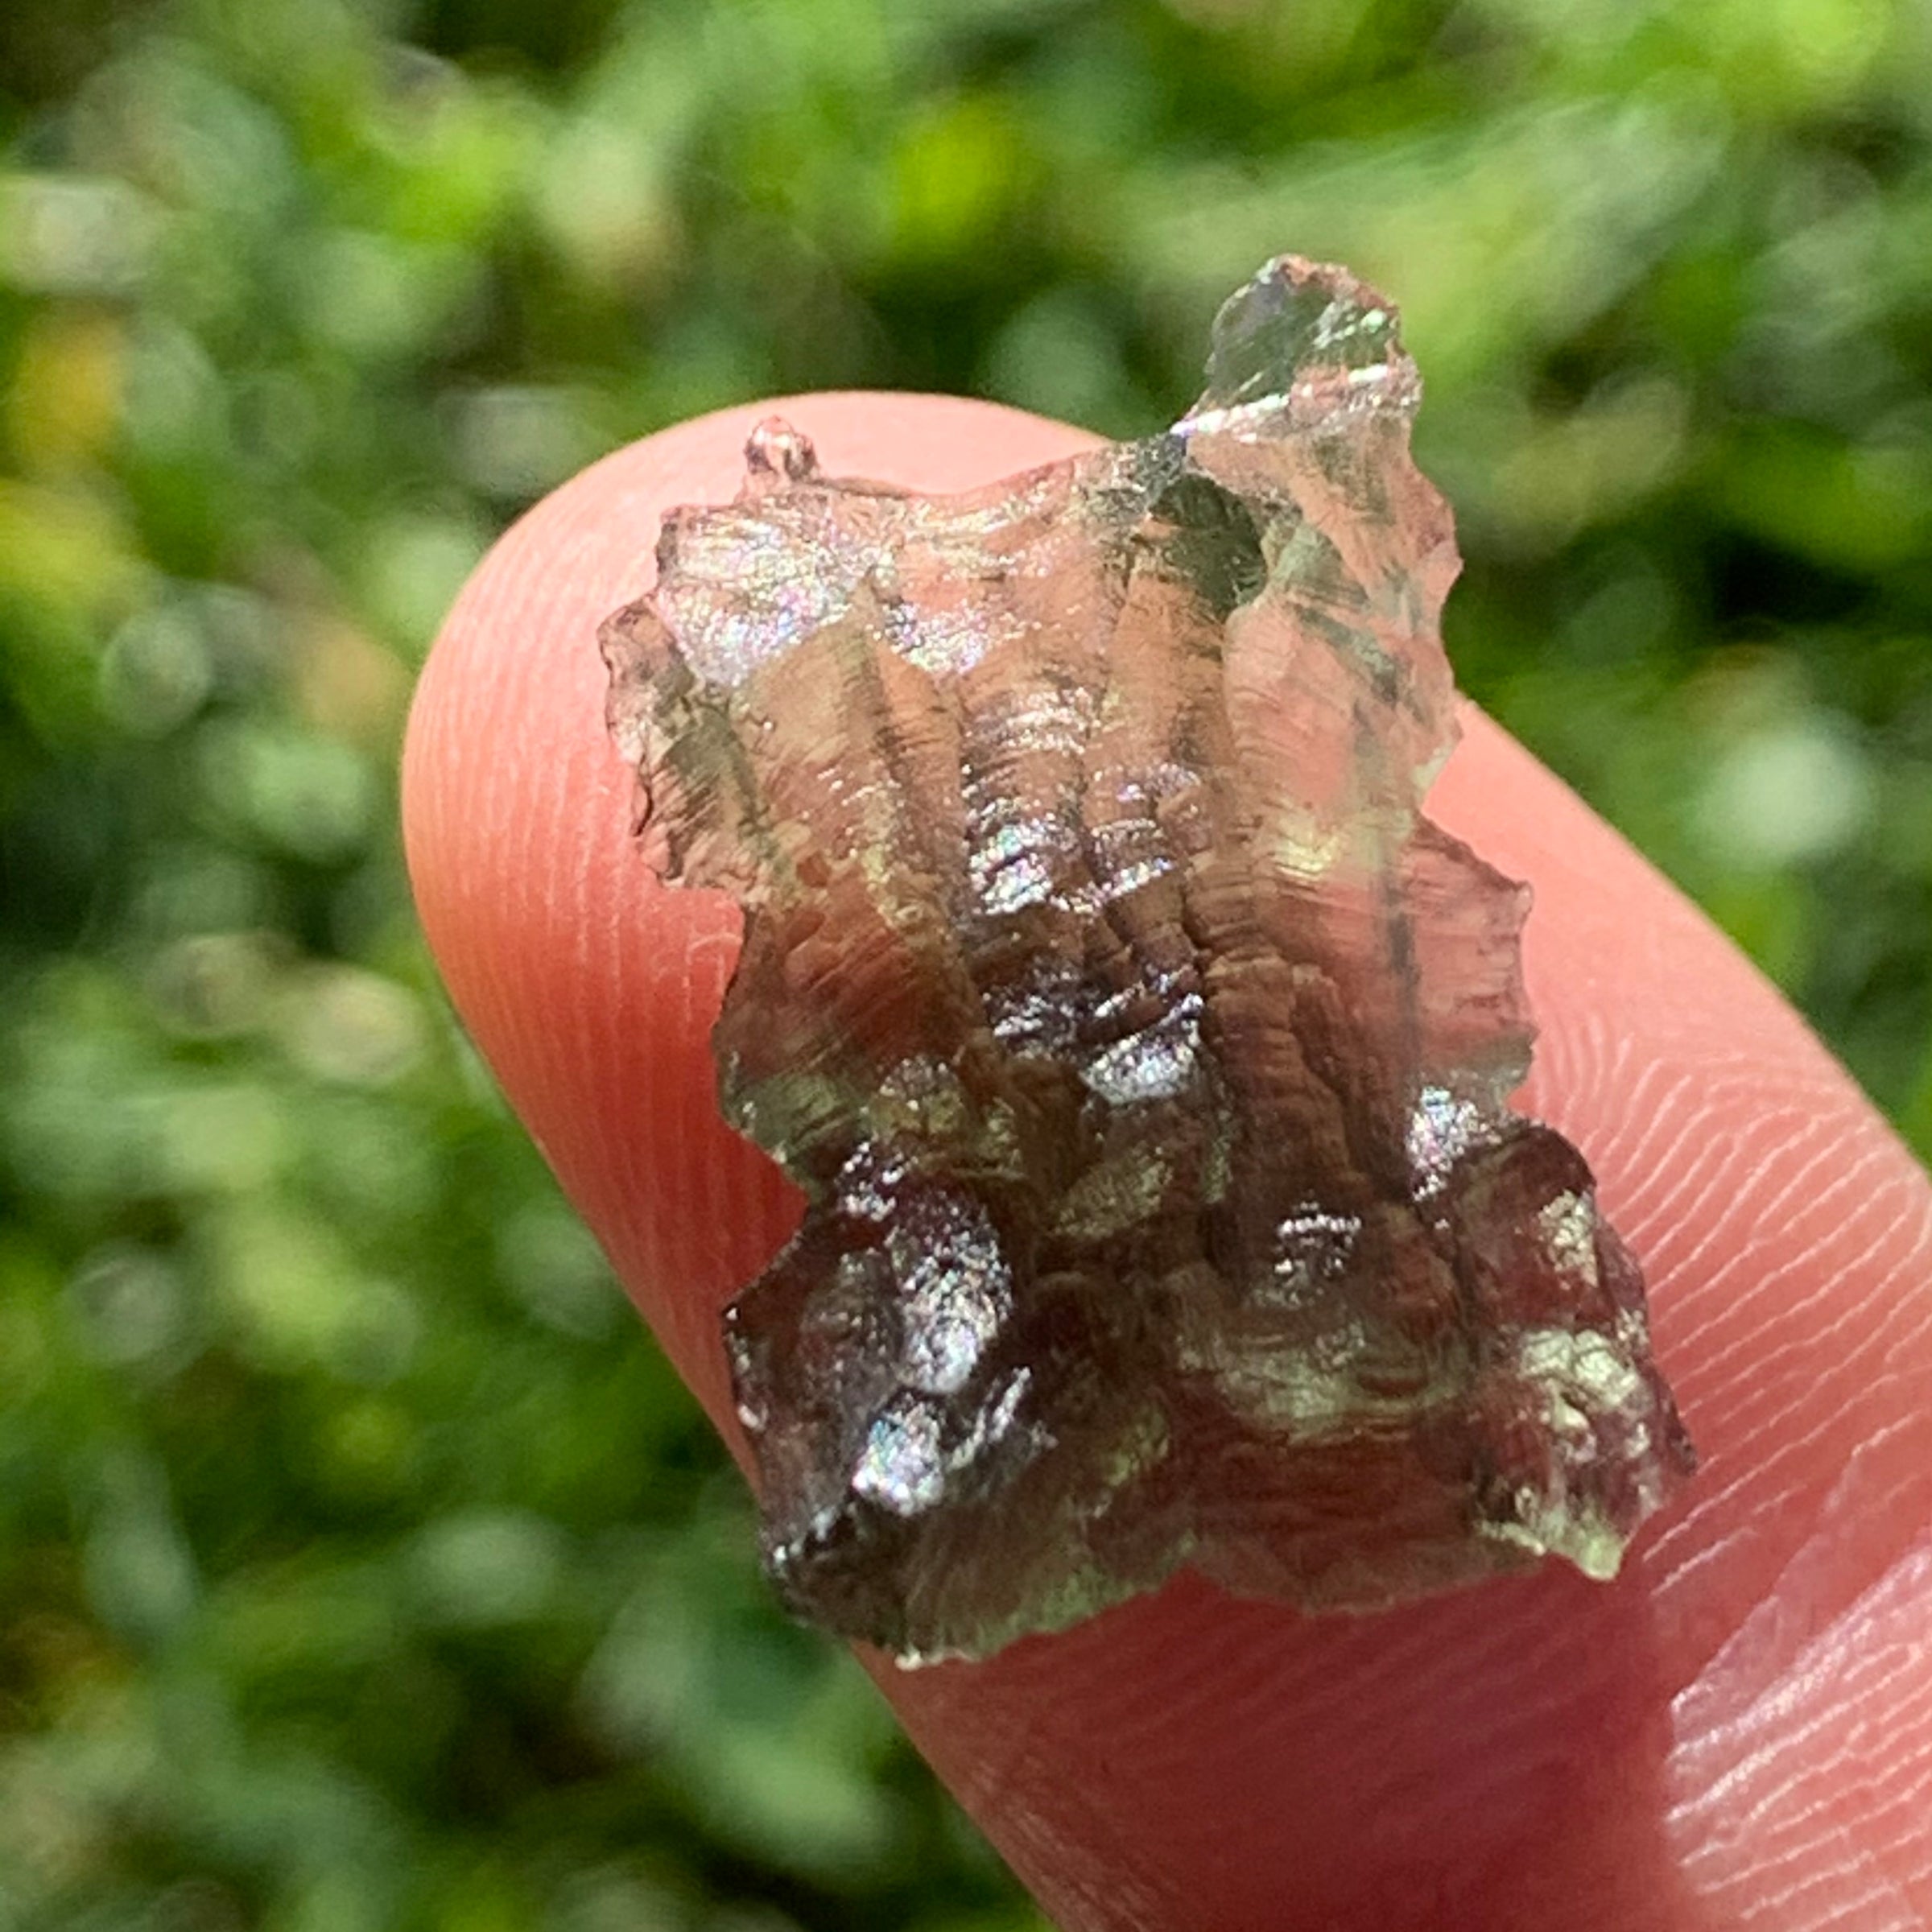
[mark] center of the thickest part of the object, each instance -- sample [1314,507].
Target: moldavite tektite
[1141,1048]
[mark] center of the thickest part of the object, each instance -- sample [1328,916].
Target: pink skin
[1738,1732]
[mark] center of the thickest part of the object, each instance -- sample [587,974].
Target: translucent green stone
[1143,1052]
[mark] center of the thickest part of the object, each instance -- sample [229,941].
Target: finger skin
[1738,1731]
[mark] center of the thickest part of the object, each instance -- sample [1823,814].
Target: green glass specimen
[1143,1052]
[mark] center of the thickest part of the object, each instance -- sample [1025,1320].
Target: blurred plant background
[360,1566]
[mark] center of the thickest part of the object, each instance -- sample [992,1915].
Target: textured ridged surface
[1730,1734]
[1142,1050]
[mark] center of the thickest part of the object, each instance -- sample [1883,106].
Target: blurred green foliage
[360,1566]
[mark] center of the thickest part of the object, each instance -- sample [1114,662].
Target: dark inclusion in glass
[1143,1052]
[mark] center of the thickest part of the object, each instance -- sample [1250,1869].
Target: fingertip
[1190,1761]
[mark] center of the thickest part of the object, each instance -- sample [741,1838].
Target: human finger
[1739,1728]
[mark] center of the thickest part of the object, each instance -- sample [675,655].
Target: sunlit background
[360,1566]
